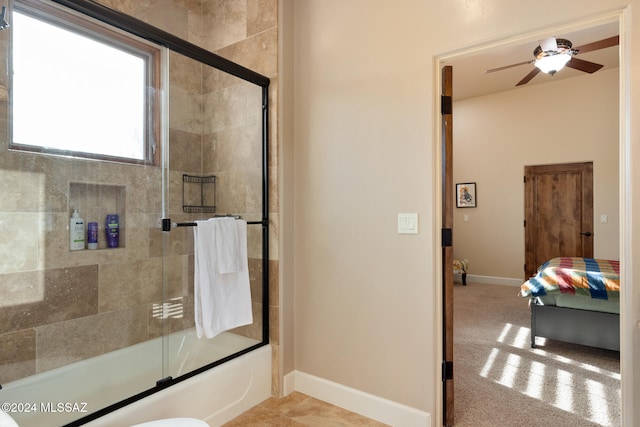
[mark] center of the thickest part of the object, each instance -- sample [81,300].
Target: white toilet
[174,422]
[6,420]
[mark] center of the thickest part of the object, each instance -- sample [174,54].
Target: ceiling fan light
[552,63]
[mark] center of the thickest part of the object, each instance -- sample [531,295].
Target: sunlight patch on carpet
[585,366]
[597,395]
[553,379]
[510,371]
[564,390]
[489,363]
[522,338]
[535,383]
[505,332]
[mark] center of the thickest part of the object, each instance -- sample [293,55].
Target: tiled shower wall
[59,306]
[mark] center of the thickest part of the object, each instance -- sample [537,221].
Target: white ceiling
[470,79]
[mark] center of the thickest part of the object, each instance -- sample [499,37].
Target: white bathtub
[216,395]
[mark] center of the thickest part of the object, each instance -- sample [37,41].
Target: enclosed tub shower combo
[159,284]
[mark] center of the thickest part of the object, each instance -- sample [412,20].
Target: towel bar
[167,225]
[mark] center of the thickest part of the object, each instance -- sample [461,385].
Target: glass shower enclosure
[85,332]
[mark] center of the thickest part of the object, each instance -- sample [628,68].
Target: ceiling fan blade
[582,65]
[508,66]
[529,76]
[600,44]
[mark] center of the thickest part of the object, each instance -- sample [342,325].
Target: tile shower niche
[94,202]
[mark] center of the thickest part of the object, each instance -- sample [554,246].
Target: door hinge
[447,370]
[447,237]
[446,105]
[166,224]
[525,222]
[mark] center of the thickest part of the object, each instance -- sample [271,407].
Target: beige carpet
[501,381]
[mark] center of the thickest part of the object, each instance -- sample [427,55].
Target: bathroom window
[80,88]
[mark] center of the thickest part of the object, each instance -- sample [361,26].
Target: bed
[576,300]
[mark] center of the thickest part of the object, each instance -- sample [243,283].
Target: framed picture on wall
[466,195]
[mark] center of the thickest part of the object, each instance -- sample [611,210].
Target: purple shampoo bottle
[112,230]
[92,235]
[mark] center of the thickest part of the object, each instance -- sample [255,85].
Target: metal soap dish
[200,191]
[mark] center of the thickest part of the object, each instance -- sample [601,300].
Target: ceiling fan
[554,53]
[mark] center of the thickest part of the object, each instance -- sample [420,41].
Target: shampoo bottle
[112,230]
[76,232]
[92,235]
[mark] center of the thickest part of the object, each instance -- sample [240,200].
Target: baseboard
[492,280]
[374,407]
[289,383]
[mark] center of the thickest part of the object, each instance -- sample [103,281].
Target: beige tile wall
[97,301]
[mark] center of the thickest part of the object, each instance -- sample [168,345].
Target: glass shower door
[79,324]
[94,329]
[215,170]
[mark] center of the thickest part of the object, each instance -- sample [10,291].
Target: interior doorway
[445,60]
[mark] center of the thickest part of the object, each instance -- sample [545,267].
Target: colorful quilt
[597,278]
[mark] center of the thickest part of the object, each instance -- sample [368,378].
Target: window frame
[98,31]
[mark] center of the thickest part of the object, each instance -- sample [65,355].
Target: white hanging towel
[227,245]
[222,300]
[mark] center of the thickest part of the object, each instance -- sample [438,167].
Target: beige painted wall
[361,157]
[496,136]
[366,307]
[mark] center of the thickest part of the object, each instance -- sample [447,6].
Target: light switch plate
[407,223]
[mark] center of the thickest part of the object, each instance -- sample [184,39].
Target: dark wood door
[447,248]
[558,213]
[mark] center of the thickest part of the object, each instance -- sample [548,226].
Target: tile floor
[297,410]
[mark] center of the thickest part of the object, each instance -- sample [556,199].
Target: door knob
[586,233]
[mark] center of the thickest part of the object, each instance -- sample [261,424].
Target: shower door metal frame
[155,35]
